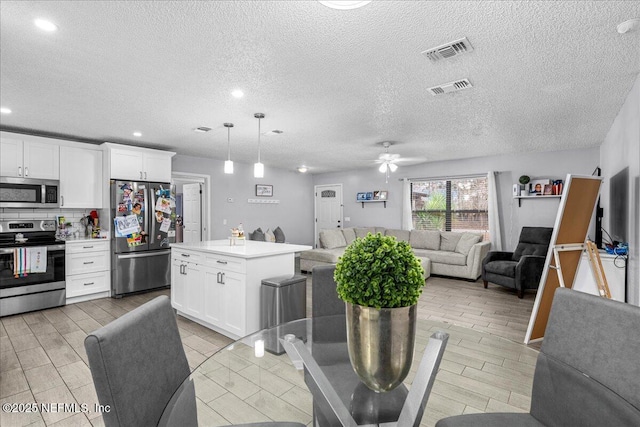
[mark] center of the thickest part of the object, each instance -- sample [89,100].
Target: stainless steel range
[32,275]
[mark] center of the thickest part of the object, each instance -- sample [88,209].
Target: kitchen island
[217,284]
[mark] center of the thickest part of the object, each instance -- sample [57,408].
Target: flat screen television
[619,206]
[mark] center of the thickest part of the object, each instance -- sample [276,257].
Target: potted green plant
[380,279]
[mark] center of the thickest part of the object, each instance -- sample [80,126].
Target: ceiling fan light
[258,170]
[228,167]
[393,167]
[383,168]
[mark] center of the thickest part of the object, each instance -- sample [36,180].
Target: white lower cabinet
[87,270]
[224,296]
[209,290]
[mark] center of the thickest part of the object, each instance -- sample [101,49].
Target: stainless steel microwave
[28,193]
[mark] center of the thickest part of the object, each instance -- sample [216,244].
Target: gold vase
[380,343]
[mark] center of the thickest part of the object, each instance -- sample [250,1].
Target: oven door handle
[49,248]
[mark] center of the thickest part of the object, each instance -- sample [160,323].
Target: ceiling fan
[388,161]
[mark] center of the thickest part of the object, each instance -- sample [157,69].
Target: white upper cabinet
[29,159]
[138,164]
[81,183]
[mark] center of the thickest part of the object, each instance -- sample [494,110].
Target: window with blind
[456,204]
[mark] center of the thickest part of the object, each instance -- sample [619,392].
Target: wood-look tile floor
[42,357]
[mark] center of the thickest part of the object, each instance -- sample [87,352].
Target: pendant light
[258,168]
[228,164]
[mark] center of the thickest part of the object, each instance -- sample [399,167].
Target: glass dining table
[255,380]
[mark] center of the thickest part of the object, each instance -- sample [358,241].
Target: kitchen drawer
[225,263]
[89,262]
[87,246]
[187,256]
[90,283]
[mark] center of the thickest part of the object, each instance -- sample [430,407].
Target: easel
[567,242]
[594,261]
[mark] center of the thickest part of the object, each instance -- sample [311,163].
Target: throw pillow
[425,239]
[466,242]
[279,235]
[449,240]
[269,236]
[331,239]
[258,235]
[349,235]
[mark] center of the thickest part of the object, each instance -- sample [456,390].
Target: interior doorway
[328,208]
[192,206]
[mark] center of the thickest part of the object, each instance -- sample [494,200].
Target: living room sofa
[451,253]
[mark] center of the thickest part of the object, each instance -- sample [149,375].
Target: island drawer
[226,263]
[187,256]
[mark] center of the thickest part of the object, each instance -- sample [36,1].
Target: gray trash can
[282,299]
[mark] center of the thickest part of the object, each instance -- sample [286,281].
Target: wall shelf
[373,201]
[553,196]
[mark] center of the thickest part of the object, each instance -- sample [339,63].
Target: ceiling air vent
[449,50]
[202,129]
[450,87]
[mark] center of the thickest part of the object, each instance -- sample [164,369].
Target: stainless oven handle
[49,248]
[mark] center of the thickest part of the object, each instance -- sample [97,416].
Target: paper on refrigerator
[126,225]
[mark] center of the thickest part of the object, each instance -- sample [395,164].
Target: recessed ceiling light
[137,134]
[344,5]
[302,169]
[237,93]
[45,25]
[5,110]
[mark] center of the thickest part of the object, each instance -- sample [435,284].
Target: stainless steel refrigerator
[142,219]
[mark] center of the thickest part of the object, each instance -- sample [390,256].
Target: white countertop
[250,248]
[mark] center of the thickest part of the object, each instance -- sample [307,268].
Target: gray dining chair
[587,373]
[137,362]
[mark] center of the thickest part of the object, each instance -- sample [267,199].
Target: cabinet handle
[26,171]
[222,276]
[62,200]
[185,255]
[87,247]
[88,262]
[145,175]
[19,170]
[89,284]
[222,262]
[140,174]
[218,277]
[183,269]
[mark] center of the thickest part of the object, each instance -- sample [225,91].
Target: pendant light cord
[228,143]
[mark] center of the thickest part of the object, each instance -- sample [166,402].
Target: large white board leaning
[572,225]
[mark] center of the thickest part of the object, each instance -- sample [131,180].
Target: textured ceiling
[545,75]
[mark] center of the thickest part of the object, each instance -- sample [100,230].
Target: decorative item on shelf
[548,190]
[557,187]
[523,190]
[537,186]
[258,168]
[228,164]
[380,279]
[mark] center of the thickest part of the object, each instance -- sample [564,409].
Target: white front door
[192,210]
[328,208]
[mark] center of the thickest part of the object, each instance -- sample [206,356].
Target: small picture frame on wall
[382,195]
[361,197]
[264,190]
